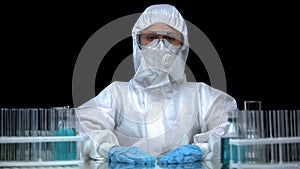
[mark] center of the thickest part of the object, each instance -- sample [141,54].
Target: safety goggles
[146,37]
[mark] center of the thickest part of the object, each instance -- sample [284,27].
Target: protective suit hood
[167,14]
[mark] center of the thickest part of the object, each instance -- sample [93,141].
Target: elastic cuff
[204,149]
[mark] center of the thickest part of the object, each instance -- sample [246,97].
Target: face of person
[160,31]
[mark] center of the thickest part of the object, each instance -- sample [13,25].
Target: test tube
[253,111]
[26,117]
[62,147]
[71,131]
[21,124]
[3,133]
[13,133]
[34,132]
[287,134]
[265,134]
[276,134]
[8,133]
[270,126]
[48,128]
[19,133]
[53,127]
[282,125]
[260,150]
[293,134]
[298,133]
[43,132]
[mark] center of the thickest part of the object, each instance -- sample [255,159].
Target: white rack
[280,141]
[39,139]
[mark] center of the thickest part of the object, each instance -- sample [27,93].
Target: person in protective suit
[157,115]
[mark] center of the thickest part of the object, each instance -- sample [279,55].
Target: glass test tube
[71,131]
[265,134]
[22,123]
[13,133]
[26,117]
[53,121]
[281,133]
[8,133]
[287,134]
[3,133]
[275,134]
[19,132]
[298,134]
[34,132]
[292,133]
[48,129]
[62,147]
[253,115]
[43,132]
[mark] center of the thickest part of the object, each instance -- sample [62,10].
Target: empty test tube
[253,113]
[8,133]
[53,127]
[26,117]
[34,132]
[298,134]
[20,131]
[43,132]
[3,133]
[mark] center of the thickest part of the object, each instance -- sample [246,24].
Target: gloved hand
[130,155]
[183,154]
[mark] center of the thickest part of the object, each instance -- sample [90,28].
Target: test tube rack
[267,139]
[276,150]
[78,161]
[39,137]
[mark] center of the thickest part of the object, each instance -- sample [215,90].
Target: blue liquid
[225,151]
[66,150]
[72,144]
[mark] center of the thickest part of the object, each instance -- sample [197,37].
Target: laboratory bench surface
[92,164]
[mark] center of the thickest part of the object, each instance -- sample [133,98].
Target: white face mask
[161,64]
[160,54]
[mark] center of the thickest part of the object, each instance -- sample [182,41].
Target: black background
[40,42]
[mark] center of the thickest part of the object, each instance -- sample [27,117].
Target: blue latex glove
[183,154]
[130,155]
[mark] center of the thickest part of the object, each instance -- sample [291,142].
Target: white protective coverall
[156,110]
